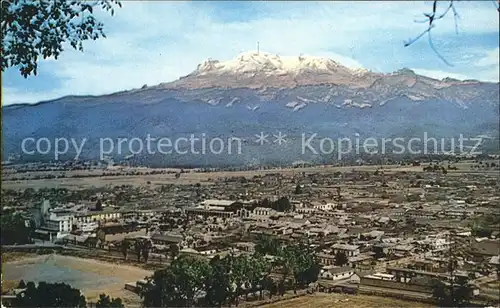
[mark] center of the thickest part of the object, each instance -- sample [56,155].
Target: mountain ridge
[295,73]
[400,104]
[255,70]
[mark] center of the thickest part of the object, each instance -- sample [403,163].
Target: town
[402,231]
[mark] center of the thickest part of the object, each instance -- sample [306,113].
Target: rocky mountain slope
[260,92]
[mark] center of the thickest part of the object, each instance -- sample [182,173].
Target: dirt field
[343,301]
[111,278]
[203,178]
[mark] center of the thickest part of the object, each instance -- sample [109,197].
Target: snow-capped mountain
[261,92]
[251,62]
[257,69]
[261,69]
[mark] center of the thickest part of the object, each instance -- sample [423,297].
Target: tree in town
[341,258]
[32,30]
[454,294]
[240,278]
[106,302]
[260,270]
[14,229]
[287,262]
[224,280]
[298,189]
[173,250]
[101,236]
[379,252]
[98,205]
[218,283]
[269,285]
[282,205]
[177,285]
[49,295]
[145,249]
[307,267]
[300,264]
[124,247]
[267,245]
[138,249]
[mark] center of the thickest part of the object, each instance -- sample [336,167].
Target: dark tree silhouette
[49,295]
[138,245]
[98,205]
[145,249]
[14,229]
[106,302]
[39,29]
[341,259]
[173,251]
[298,189]
[124,247]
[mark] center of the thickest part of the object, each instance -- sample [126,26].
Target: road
[411,294]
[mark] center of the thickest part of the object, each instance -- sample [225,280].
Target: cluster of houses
[394,230]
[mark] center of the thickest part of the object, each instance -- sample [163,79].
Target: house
[215,202]
[88,226]
[58,225]
[495,260]
[380,276]
[191,252]
[355,278]
[324,207]
[97,216]
[405,274]
[375,234]
[336,272]
[403,250]
[82,240]
[362,260]
[245,246]
[383,248]
[485,248]
[262,212]
[349,250]
[326,259]
[217,208]
[166,239]
[209,211]
[426,265]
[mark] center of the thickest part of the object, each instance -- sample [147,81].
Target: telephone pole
[258,48]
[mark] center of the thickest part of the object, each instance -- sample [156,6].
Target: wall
[394,285]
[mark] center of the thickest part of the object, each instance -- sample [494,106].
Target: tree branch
[430,20]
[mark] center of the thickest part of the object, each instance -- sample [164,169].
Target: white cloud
[436,74]
[489,65]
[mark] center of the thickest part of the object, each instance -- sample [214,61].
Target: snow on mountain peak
[252,62]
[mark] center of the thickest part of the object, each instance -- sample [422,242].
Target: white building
[263,212]
[59,225]
[324,207]
[96,216]
[89,226]
[336,273]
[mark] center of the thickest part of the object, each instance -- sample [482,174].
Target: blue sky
[160,41]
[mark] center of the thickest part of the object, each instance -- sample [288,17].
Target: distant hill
[256,93]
